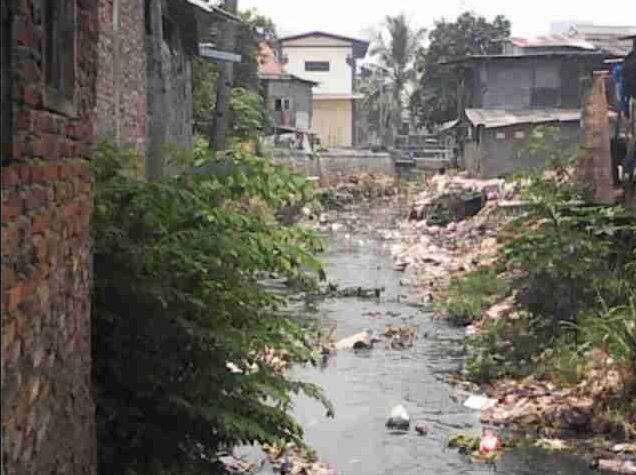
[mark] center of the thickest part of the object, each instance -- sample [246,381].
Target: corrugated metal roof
[591,29]
[491,118]
[549,41]
[613,46]
[517,57]
[448,125]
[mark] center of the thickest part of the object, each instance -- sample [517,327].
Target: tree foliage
[377,108]
[204,77]
[435,99]
[248,114]
[178,294]
[396,48]
[257,28]
[246,85]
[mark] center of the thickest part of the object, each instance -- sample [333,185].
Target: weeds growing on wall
[177,296]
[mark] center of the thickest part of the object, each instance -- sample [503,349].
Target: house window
[317,66]
[520,134]
[500,135]
[59,48]
[282,104]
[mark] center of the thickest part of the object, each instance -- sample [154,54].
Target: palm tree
[377,106]
[396,49]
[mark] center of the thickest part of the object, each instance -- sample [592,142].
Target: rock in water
[399,418]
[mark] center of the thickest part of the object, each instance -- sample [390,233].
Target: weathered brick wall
[47,407]
[121,81]
[594,167]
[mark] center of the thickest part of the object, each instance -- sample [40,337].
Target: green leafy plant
[613,329]
[181,317]
[248,112]
[572,266]
[468,296]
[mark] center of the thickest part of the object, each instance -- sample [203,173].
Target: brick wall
[594,168]
[47,408]
[121,82]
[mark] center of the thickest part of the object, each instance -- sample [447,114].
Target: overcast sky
[354,17]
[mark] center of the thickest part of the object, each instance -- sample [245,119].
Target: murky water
[365,385]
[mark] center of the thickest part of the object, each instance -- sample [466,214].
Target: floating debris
[400,337]
[399,419]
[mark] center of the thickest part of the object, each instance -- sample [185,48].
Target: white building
[329,60]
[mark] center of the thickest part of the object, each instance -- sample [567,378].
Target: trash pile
[293,460]
[452,229]
[562,410]
[400,337]
[484,448]
[356,188]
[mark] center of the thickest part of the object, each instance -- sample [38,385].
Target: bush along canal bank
[380,352]
[543,284]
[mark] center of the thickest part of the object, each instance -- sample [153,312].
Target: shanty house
[289,101]
[504,96]
[330,61]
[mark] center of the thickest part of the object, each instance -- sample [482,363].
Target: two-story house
[502,97]
[330,61]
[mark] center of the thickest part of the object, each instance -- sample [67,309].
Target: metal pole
[227,40]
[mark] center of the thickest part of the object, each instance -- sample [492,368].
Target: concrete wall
[338,80]
[169,88]
[47,408]
[299,93]
[501,151]
[333,167]
[121,80]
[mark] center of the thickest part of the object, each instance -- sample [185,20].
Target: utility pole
[227,41]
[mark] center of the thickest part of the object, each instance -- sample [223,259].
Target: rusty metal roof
[492,118]
[549,41]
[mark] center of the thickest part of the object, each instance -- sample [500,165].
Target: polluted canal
[364,385]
